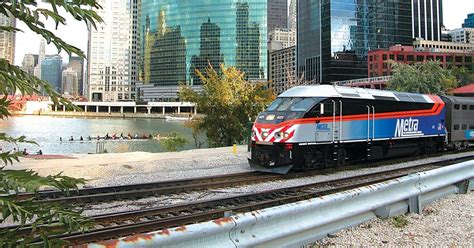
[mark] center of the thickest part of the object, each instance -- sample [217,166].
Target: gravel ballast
[449,222]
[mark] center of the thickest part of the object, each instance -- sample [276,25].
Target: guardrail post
[414,204]
[465,186]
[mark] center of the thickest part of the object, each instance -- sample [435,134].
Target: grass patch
[400,221]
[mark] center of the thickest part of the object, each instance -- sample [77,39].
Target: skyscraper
[277,14]
[51,70]
[427,19]
[70,84]
[292,15]
[77,65]
[29,62]
[334,36]
[41,56]
[469,21]
[7,39]
[112,69]
[180,36]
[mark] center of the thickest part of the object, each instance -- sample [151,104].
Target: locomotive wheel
[312,161]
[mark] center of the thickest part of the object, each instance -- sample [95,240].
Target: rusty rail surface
[112,226]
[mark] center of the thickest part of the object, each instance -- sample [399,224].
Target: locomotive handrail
[333,119]
[373,122]
[340,121]
[368,123]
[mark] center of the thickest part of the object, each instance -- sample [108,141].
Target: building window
[464,107]
[458,59]
[400,58]
[471,107]
[456,106]
[456,127]
[384,57]
[464,126]
[410,58]
[392,57]
[419,58]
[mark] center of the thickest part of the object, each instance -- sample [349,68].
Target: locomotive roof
[353,92]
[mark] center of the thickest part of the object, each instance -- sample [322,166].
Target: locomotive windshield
[287,108]
[293,104]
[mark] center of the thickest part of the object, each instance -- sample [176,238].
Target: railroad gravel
[449,222]
[125,205]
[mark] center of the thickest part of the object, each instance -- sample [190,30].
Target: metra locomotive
[310,127]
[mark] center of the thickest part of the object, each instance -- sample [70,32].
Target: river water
[47,130]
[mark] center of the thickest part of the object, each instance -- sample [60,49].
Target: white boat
[177,118]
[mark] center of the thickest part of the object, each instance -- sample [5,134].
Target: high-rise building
[77,64]
[180,36]
[70,82]
[278,14]
[427,19]
[292,15]
[29,62]
[41,56]
[334,36]
[7,39]
[462,35]
[51,70]
[282,69]
[469,21]
[283,37]
[112,69]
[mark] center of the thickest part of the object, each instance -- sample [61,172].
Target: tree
[463,75]
[12,79]
[428,77]
[173,142]
[228,102]
[195,131]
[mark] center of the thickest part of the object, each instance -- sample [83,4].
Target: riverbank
[138,167]
[105,115]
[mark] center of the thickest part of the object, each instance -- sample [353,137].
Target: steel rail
[140,221]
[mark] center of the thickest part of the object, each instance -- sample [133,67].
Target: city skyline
[75,32]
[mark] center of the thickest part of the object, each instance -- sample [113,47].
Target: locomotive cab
[272,149]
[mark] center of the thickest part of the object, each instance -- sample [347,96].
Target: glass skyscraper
[181,36]
[469,21]
[51,70]
[334,36]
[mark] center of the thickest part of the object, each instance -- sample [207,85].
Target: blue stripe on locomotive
[406,127]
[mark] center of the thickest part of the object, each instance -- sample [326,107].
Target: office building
[335,36]
[41,56]
[462,35]
[379,60]
[70,82]
[77,64]
[469,21]
[282,69]
[29,63]
[439,46]
[292,15]
[7,39]
[281,38]
[112,69]
[180,37]
[427,19]
[51,71]
[278,14]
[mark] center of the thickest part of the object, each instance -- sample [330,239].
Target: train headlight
[277,135]
[254,133]
[265,134]
[286,135]
[281,135]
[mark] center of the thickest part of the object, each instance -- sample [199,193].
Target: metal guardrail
[306,221]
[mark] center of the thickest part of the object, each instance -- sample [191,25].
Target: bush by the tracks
[228,102]
[173,142]
[46,218]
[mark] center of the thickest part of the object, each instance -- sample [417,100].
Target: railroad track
[137,191]
[112,226]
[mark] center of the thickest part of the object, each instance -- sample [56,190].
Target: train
[320,126]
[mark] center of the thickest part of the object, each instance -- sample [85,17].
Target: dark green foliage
[173,142]
[46,219]
[228,102]
[427,78]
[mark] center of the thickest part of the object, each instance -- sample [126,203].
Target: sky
[75,33]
